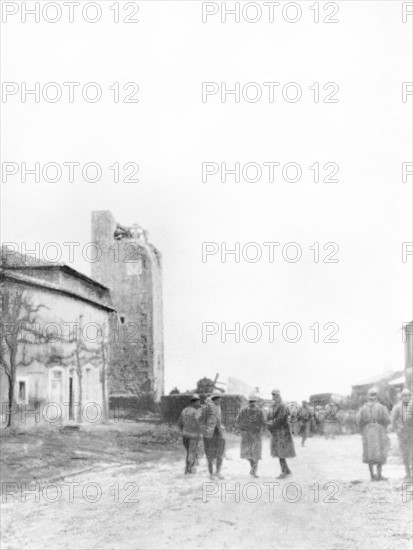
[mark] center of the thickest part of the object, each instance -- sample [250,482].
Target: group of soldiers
[205,422]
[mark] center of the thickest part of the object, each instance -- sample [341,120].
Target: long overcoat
[211,428]
[282,444]
[250,422]
[373,419]
[402,423]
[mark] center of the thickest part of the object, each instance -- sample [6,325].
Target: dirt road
[328,503]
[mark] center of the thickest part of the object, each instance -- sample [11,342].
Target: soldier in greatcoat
[373,419]
[282,444]
[213,433]
[189,423]
[250,422]
[402,424]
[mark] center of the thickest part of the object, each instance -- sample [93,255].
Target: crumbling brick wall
[131,268]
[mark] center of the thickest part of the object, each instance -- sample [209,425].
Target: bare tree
[205,385]
[83,353]
[17,325]
[20,328]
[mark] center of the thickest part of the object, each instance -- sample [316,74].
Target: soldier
[329,419]
[191,431]
[304,419]
[373,419]
[402,423]
[251,421]
[212,431]
[282,445]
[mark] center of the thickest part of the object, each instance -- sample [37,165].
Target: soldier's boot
[372,476]
[211,469]
[252,466]
[283,471]
[288,472]
[219,466]
[379,474]
[255,468]
[190,468]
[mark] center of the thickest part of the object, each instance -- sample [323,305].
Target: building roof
[58,266]
[34,272]
[379,378]
[10,259]
[398,381]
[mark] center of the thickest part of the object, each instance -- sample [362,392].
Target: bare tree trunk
[11,401]
[12,380]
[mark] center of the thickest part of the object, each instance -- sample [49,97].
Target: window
[122,319]
[22,391]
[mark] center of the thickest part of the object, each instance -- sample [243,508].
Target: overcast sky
[171,132]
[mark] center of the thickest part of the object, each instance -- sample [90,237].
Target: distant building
[322,399]
[57,321]
[239,387]
[131,268]
[383,382]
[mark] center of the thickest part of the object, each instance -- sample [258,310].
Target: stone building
[131,268]
[55,338]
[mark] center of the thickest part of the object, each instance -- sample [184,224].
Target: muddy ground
[47,453]
[328,503]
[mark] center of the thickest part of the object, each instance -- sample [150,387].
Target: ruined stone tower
[131,268]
